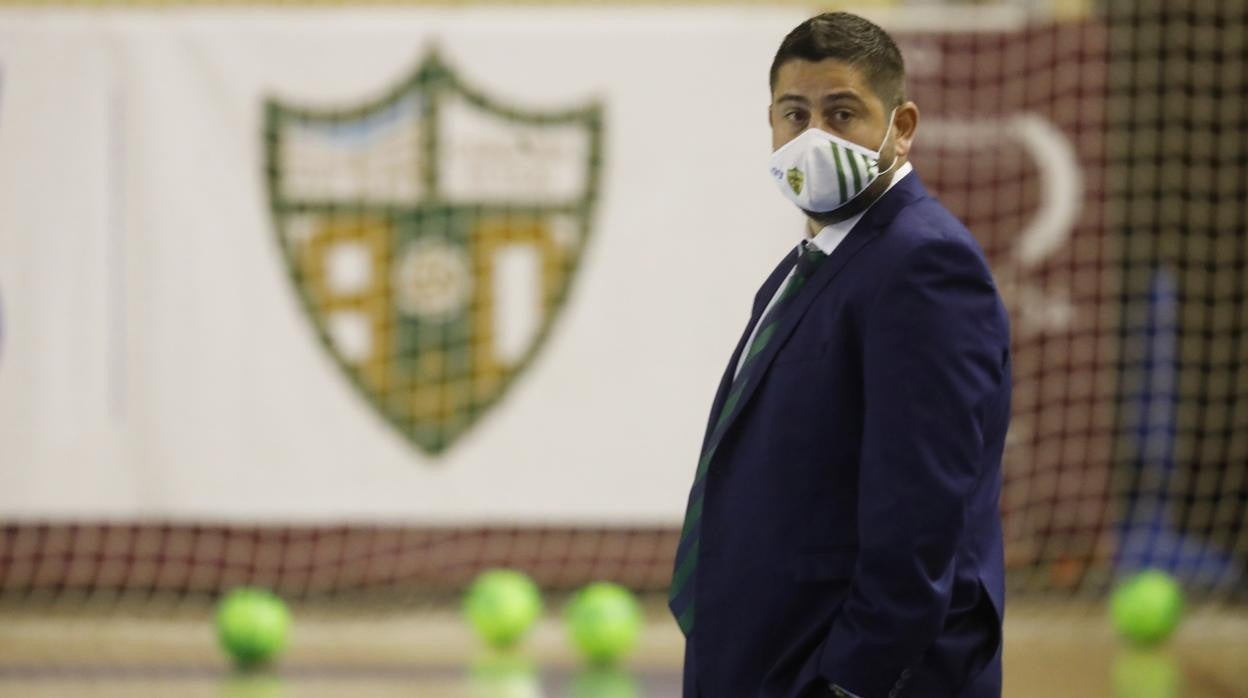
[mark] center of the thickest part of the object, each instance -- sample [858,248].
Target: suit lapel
[876,218]
[768,289]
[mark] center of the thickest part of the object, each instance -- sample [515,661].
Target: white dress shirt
[827,240]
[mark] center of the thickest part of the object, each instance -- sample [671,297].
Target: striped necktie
[680,594]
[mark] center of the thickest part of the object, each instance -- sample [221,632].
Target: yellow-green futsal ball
[501,606]
[1147,608]
[252,625]
[604,621]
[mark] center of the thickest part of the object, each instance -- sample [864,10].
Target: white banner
[165,350]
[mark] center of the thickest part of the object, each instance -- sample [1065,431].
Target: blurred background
[355,301]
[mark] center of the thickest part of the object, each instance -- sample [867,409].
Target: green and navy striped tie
[680,594]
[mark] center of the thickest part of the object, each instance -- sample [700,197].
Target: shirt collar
[831,235]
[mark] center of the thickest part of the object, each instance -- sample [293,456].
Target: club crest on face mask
[821,172]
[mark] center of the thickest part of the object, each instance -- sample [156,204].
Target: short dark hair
[854,40]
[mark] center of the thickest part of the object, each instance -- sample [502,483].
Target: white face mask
[821,172]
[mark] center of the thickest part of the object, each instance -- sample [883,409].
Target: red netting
[1013,140]
[304,562]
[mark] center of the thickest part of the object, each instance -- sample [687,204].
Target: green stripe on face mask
[856,163]
[837,151]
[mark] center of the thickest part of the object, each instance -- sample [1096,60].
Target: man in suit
[842,535]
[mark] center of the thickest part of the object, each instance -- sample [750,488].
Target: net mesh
[1178,196]
[1012,140]
[102,561]
[1100,162]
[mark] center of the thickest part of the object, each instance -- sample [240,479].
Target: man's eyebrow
[829,97]
[843,94]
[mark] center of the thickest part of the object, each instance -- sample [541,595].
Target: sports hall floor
[1051,650]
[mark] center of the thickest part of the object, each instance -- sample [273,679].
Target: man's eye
[842,115]
[795,116]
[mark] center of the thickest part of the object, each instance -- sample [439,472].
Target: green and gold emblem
[432,235]
[795,179]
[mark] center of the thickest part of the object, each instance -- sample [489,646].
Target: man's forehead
[814,79]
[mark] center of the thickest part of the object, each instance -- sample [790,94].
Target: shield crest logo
[795,179]
[432,235]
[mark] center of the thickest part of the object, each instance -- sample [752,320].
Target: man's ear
[905,123]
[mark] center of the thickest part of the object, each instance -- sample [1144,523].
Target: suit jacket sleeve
[934,344]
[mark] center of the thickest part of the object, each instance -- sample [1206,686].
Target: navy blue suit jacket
[850,527]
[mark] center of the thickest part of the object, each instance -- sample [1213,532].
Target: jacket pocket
[824,566]
[985,625]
